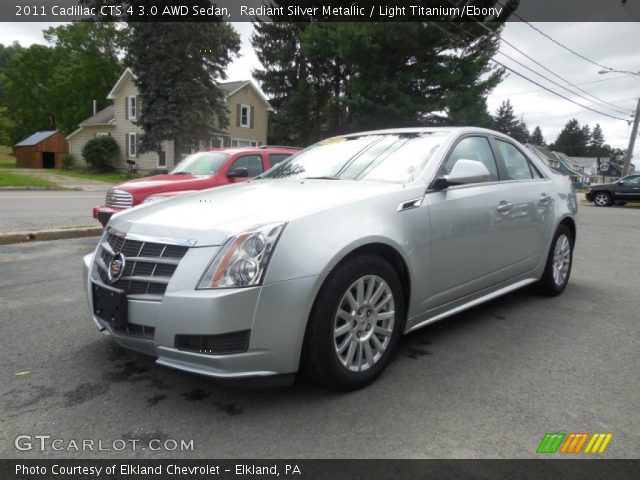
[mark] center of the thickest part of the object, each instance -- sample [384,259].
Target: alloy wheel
[561,260]
[364,323]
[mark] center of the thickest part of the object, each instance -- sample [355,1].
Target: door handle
[544,198]
[504,207]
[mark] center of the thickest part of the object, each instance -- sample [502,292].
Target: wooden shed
[41,150]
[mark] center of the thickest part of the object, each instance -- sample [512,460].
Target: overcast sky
[614,45]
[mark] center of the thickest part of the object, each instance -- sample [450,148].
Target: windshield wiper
[181,173]
[326,177]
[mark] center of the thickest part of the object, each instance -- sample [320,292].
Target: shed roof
[35,139]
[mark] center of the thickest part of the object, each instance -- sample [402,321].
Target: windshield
[201,163]
[397,157]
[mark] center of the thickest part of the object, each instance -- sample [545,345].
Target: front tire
[559,261]
[602,199]
[355,325]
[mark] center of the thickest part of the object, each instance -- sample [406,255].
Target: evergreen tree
[337,77]
[597,147]
[176,80]
[573,140]
[505,121]
[537,138]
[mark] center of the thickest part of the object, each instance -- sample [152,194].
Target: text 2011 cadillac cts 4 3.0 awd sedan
[322,262]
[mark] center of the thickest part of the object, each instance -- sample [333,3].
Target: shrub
[68,161]
[99,152]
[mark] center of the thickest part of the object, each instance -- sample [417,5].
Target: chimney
[95,105]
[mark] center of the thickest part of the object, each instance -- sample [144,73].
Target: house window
[245,115]
[235,142]
[133,107]
[162,155]
[133,144]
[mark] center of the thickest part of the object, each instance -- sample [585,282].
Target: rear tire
[354,328]
[602,199]
[559,261]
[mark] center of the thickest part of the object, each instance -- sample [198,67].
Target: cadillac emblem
[116,268]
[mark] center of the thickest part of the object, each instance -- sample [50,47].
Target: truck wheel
[602,199]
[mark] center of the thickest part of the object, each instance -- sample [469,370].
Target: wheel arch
[571,225]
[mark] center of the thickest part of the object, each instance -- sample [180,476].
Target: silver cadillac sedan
[321,263]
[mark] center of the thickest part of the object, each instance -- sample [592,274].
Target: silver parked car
[324,261]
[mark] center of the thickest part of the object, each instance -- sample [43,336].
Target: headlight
[242,260]
[153,199]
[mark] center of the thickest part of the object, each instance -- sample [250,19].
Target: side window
[632,180]
[253,163]
[276,158]
[518,166]
[472,148]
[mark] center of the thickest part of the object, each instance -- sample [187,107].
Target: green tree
[573,140]
[176,79]
[89,66]
[31,105]
[505,121]
[537,138]
[337,77]
[53,87]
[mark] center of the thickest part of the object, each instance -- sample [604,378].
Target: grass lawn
[17,180]
[111,177]
[7,159]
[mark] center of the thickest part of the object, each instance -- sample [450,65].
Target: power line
[513,94]
[556,83]
[533,81]
[603,103]
[577,54]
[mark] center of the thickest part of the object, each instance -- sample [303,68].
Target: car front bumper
[273,316]
[589,195]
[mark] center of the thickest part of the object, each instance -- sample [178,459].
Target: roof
[103,117]
[127,72]
[584,161]
[229,88]
[35,138]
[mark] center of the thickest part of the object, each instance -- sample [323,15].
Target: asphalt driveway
[487,383]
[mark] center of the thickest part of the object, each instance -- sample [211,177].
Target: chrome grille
[119,199]
[148,265]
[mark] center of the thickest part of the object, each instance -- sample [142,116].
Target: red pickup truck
[198,171]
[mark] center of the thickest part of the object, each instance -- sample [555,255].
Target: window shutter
[137,145]
[126,145]
[138,106]
[126,110]
[238,114]
[251,116]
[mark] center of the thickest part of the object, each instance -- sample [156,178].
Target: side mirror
[239,172]
[464,171]
[620,182]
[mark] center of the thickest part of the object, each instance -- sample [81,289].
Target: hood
[166,183]
[208,217]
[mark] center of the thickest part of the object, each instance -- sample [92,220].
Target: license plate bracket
[110,304]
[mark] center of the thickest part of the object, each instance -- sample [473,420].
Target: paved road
[489,382]
[24,210]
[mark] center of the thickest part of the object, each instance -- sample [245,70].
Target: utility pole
[632,141]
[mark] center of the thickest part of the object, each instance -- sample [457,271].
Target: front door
[469,233]
[628,189]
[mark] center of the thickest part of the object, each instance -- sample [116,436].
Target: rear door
[529,206]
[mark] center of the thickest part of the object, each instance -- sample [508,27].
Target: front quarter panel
[312,246]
